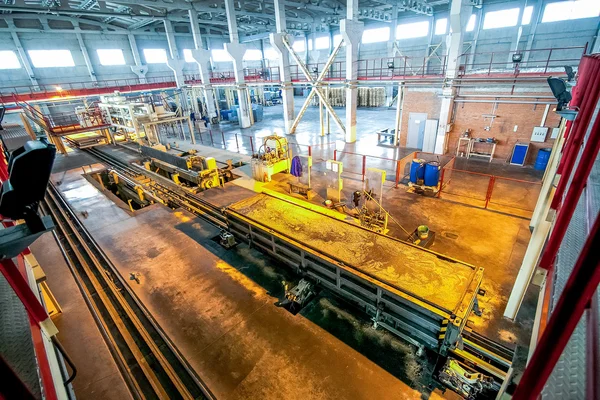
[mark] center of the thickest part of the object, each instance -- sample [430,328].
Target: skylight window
[253,55]
[299,46]
[111,56]
[441,26]
[501,18]
[412,30]
[187,56]
[322,43]
[155,56]
[51,58]
[527,12]
[471,23]
[220,55]
[568,10]
[376,35]
[9,60]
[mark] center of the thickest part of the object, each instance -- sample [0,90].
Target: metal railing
[507,195]
[540,61]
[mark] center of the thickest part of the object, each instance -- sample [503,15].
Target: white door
[416,130]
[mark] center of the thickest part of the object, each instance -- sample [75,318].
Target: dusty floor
[226,319]
[218,308]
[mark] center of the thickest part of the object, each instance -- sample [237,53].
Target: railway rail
[150,364]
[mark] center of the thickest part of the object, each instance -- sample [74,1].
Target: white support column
[202,58]
[86,56]
[22,55]
[477,29]
[287,90]
[538,9]
[237,50]
[351,30]
[174,62]
[139,69]
[514,46]
[389,89]
[460,12]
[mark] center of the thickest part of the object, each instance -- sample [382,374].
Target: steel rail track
[154,367]
[176,196]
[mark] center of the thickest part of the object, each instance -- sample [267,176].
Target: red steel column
[580,288]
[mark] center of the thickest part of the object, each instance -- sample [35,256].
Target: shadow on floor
[341,319]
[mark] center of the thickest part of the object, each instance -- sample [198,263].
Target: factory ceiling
[254,16]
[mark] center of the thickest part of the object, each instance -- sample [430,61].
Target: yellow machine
[272,157]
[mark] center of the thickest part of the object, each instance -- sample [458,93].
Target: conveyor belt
[420,291]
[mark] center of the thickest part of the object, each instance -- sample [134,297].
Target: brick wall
[421,101]
[470,116]
[525,116]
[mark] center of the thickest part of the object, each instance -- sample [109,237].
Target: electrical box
[539,134]
[555,132]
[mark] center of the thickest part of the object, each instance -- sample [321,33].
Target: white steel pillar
[174,62]
[287,90]
[202,58]
[389,89]
[22,55]
[538,9]
[460,12]
[237,50]
[514,46]
[139,69]
[86,55]
[351,30]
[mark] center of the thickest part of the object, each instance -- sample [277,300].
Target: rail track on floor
[150,364]
[163,189]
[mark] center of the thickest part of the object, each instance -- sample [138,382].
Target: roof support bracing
[86,57]
[22,55]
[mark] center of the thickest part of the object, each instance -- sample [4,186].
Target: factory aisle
[218,308]
[98,376]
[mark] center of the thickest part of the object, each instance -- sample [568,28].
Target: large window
[471,23]
[412,30]
[322,43]
[310,44]
[155,56]
[501,18]
[9,60]
[111,56]
[253,55]
[527,12]
[271,54]
[187,56]
[51,58]
[376,35]
[220,55]
[441,26]
[337,39]
[567,10]
[299,45]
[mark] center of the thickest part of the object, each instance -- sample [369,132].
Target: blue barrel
[541,162]
[432,173]
[416,170]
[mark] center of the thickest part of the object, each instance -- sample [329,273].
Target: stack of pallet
[367,97]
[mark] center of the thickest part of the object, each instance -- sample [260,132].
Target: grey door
[416,130]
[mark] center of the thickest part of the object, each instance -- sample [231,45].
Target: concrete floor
[218,307]
[97,374]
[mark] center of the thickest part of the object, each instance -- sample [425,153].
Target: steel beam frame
[316,89]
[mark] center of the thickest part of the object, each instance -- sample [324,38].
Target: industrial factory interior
[299,199]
